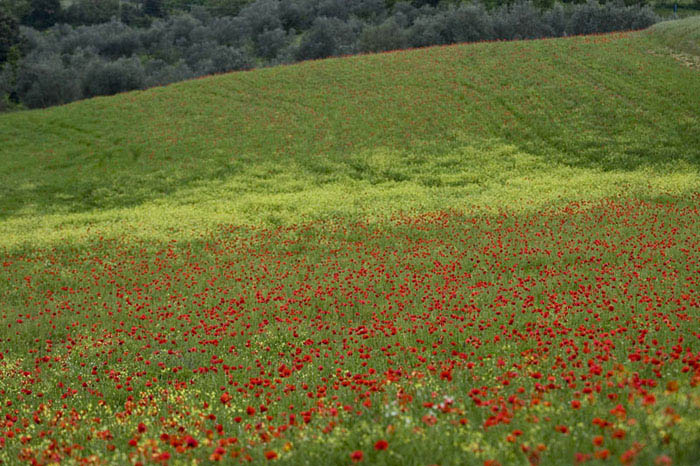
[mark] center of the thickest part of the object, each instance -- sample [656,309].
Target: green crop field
[472,254]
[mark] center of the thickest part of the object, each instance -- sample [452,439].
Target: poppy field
[483,254]
[569,335]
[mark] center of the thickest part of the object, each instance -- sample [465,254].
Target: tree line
[51,56]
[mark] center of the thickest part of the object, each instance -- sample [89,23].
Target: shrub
[224,7]
[369,10]
[404,13]
[158,40]
[428,30]
[592,17]
[42,13]
[520,20]
[180,29]
[159,73]
[9,35]
[269,43]
[45,81]
[117,40]
[387,36]
[6,88]
[421,3]
[557,20]
[334,9]
[296,14]
[261,16]
[85,12]
[586,18]
[153,8]
[133,16]
[112,39]
[641,18]
[111,77]
[468,23]
[229,31]
[226,59]
[320,41]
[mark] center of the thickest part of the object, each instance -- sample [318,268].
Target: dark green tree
[319,41]
[153,8]
[43,13]
[420,3]
[226,7]
[386,36]
[15,8]
[9,34]
[84,12]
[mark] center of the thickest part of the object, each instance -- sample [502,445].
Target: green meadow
[500,125]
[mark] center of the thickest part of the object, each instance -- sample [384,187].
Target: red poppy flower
[381,445]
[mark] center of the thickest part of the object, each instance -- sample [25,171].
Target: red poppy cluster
[571,331]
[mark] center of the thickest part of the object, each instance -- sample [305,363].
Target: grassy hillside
[679,36]
[445,127]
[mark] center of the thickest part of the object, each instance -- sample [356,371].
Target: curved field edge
[517,124]
[682,36]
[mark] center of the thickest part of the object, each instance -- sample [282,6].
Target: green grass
[682,35]
[492,124]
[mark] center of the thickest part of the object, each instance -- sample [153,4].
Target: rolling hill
[419,130]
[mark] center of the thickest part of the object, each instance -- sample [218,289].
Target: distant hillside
[682,35]
[442,127]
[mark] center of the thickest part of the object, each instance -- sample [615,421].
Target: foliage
[225,7]
[321,40]
[18,9]
[386,36]
[42,13]
[469,23]
[91,11]
[153,8]
[9,35]
[522,21]
[112,77]
[609,17]
[45,81]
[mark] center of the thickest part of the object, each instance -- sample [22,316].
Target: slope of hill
[682,36]
[444,127]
